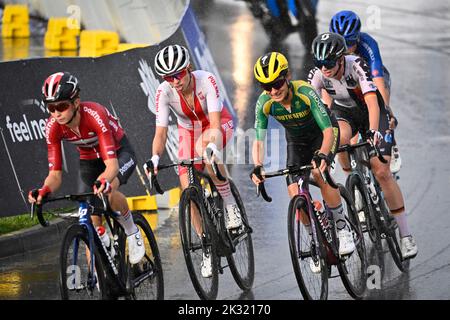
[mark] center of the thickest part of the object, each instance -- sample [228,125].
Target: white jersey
[348,91]
[206,99]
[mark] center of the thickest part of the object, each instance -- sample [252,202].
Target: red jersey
[100,135]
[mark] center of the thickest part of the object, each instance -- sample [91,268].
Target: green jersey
[306,115]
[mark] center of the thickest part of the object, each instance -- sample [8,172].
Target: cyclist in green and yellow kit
[312,133]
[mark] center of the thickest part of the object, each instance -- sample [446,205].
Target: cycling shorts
[300,151]
[358,119]
[90,170]
[189,138]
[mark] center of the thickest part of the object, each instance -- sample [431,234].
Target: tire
[242,261]
[77,274]
[149,268]
[313,286]
[206,288]
[369,224]
[353,270]
[392,237]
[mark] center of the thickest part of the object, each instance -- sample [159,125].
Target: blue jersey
[368,49]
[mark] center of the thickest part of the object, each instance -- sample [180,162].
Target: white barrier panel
[136,21]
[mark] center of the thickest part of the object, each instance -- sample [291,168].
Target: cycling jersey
[348,91]
[99,137]
[368,49]
[307,117]
[206,99]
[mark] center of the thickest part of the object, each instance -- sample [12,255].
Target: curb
[34,238]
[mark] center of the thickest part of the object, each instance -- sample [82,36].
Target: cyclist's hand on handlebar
[257,175]
[320,161]
[36,195]
[375,135]
[151,165]
[393,122]
[211,152]
[102,186]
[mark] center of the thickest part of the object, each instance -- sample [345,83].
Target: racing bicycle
[90,270]
[371,206]
[235,245]
[314,252]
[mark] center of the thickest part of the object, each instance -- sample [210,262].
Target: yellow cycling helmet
[270,66]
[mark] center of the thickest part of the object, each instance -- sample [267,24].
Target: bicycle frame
[85,212]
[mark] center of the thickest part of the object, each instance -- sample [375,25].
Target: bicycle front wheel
[353,268]
[146,277]
[308,254]
[192,210]
[392,234]
[364,209]
[242,261]
[78,280]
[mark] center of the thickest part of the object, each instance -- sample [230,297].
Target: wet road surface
[416,49]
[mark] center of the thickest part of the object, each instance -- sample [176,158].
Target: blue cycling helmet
[348,25]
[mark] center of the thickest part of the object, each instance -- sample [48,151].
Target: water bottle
[105,239]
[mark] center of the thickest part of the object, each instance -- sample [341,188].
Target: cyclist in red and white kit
[203,122]
[105,153]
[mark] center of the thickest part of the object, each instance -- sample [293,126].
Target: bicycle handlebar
[347,148]
[261,189]
[71,197]
[153,180]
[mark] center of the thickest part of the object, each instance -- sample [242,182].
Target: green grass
[24,221]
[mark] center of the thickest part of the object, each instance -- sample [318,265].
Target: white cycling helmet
[171,59]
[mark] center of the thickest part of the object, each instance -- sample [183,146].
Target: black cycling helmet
[60,86]
[328,46]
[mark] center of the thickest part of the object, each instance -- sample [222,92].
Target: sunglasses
[328,64]
[277,84]
[180,75]
[60,106]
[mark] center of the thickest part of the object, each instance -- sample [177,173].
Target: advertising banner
[124,83]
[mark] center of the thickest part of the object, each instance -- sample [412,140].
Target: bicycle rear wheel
[305,251]
[194,246]
[242,261]
[146,277]
[77,281]
[353,268]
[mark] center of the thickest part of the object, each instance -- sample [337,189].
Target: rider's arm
[374,110]
[261,122]
[53,180]
[215,135]
[362,72]
[258,153]
[321,116]
[53,138]
[371,53]
[107,146]
[215,106]
[381,85]
[326,98]
[159,141]
[111,170]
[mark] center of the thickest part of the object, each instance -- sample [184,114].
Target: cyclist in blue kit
[348,24]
